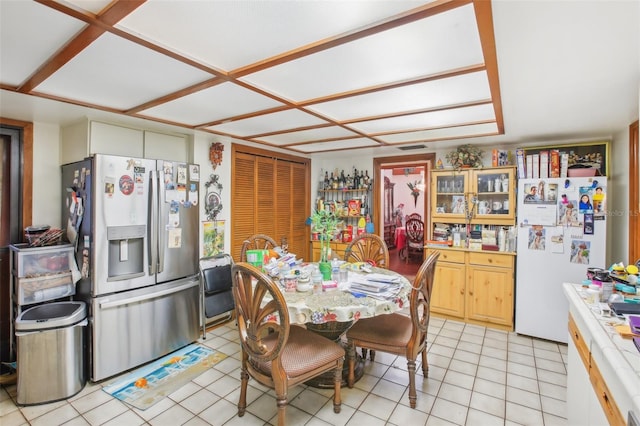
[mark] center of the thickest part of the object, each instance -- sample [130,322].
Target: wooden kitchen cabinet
[475,287]
[488,194]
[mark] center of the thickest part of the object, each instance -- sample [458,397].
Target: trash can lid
[51,315]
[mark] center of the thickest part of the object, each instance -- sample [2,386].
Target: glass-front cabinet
[484,196]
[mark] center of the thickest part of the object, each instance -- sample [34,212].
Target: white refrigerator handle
[152,221]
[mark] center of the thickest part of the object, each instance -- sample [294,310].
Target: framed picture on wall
[588,154]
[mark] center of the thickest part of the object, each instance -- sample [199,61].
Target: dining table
[331,313]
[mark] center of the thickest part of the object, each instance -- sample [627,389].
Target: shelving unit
[473,284]
[350,205]
[39,274]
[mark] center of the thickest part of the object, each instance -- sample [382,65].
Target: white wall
[46,174]
[618,206]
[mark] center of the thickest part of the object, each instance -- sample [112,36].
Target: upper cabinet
[87,137]
[479,196]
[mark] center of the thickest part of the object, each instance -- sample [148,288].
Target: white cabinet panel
[115,140]
[161,146]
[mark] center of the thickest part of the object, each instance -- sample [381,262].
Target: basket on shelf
[41,236]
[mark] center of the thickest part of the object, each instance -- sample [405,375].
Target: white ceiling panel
[444,133]
[428,119]
[24,46]
[342,69]
[425,47]
[449,91]
[120,74]
[216,103]
[241,33]
[336,145]
[333,132]
[267,123]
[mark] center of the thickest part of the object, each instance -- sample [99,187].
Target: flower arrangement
[465,156]
[325,223]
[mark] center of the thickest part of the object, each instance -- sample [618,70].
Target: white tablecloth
[338,305]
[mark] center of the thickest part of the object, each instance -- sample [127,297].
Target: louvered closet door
[269,196]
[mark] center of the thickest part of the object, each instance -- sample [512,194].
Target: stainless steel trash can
[50,354]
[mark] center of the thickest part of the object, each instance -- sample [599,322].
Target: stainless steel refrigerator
[562,231]
[134,224]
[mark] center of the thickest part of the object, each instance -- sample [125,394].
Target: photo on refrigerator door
[585,205]
[580,250]
[537,238]
[568,213]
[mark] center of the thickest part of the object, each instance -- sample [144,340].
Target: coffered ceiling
[313,76]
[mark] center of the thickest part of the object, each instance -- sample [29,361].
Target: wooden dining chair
[397,333]
[414,244]
[256,242]
[274,353]
[415,216]
[368,248]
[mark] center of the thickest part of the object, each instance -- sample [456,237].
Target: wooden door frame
[425,160]
[27,166]
[634,193]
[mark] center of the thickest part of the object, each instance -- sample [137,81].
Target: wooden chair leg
[425,364]
[372,355]
[337,383]
[411,366]
[351,363]
[282,410]
[242,401]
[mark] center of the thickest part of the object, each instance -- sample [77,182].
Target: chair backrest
[263,327]
[215,272]
[414,231]
[256,242]
[368,248]
[415,216]
[420,301]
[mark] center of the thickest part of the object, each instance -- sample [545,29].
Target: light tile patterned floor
[477,376]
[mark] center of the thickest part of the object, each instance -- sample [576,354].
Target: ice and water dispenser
[126,251]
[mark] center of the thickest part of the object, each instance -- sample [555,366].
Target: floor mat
[149,384]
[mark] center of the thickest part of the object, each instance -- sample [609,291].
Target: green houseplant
[325,223]
[465,156]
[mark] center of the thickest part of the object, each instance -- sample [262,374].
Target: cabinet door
[166,147]
[448,289]
[490,295]
[494,190]
[449,190]
[115,140]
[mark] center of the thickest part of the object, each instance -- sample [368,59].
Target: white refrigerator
[561,232]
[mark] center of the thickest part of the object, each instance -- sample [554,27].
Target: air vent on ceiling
[410,147]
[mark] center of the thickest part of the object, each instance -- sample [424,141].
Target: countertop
[617,357]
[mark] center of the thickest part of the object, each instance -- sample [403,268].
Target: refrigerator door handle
[141,298]
[152,233]
[161,229]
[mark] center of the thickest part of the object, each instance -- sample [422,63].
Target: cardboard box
[257,257]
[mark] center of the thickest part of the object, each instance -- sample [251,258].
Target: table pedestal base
[334,330]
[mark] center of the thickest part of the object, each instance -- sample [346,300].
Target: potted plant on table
[325,223]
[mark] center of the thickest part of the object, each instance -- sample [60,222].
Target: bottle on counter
[316,280]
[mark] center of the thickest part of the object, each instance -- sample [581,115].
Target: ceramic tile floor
[477,376]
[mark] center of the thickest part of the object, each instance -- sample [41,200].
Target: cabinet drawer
[491,259]
[605,398]
[450,256]
[578,341]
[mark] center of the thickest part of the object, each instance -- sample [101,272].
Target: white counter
[617,358]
